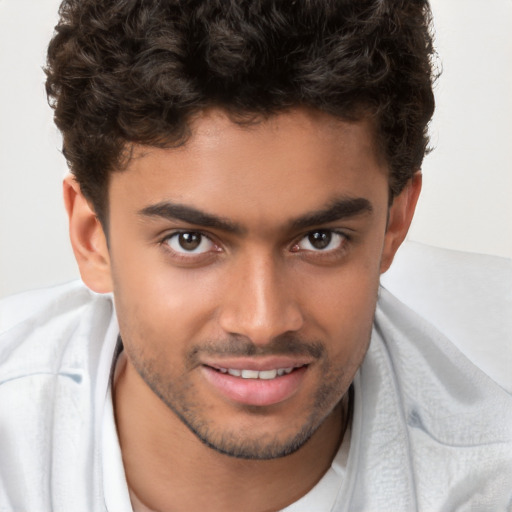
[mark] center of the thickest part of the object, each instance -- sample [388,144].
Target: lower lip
[258,392]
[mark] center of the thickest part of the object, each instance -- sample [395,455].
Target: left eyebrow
[339,209]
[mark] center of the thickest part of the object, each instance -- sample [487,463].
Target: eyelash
[327,255]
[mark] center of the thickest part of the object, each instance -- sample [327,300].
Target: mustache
[241,346]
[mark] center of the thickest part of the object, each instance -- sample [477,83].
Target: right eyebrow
[190,215]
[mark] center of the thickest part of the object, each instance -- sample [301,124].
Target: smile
[254,374]
[257,387]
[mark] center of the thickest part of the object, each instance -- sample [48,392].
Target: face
[245,268]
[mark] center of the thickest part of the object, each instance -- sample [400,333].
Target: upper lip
[260,363]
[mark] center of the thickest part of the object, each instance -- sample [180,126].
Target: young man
[242,173]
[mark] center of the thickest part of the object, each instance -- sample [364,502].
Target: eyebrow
[190,215]
[338,209]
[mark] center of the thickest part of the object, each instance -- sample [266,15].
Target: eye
[189,242]
[321,240]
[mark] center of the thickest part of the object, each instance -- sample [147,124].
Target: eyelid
[178,231]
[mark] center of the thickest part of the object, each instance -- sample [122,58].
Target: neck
[169,469]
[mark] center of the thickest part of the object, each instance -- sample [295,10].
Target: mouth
[269,374]
[246,384]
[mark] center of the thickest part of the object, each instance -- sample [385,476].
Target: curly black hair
[125,72]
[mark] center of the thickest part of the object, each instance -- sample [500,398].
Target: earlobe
[401,213]
[87,238]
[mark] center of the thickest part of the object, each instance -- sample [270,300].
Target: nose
[259,301]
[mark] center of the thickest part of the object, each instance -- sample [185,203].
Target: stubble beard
[178,398]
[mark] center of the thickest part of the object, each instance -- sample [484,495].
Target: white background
[467,197]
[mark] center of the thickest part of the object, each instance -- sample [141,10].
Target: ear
[401,213]
[87,238]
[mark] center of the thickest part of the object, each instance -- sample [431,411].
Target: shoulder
[454,420]
[36,303]
[39,328]
[467,297]
[430,405]
[56,350]
[445,324]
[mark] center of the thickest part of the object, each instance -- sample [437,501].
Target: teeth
[250,374]
[254,374]
[268,374]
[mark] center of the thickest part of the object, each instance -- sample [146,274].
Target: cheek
[343,307]
[161,309]
[349,308]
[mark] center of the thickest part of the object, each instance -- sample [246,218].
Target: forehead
[286,164]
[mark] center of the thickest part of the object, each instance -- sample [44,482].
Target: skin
[256,288]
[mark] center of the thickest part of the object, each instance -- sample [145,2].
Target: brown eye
[321,240]
[190,242]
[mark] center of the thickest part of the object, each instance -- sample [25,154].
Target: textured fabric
[54,373]
[430,431]
[434,432]
[468,297]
